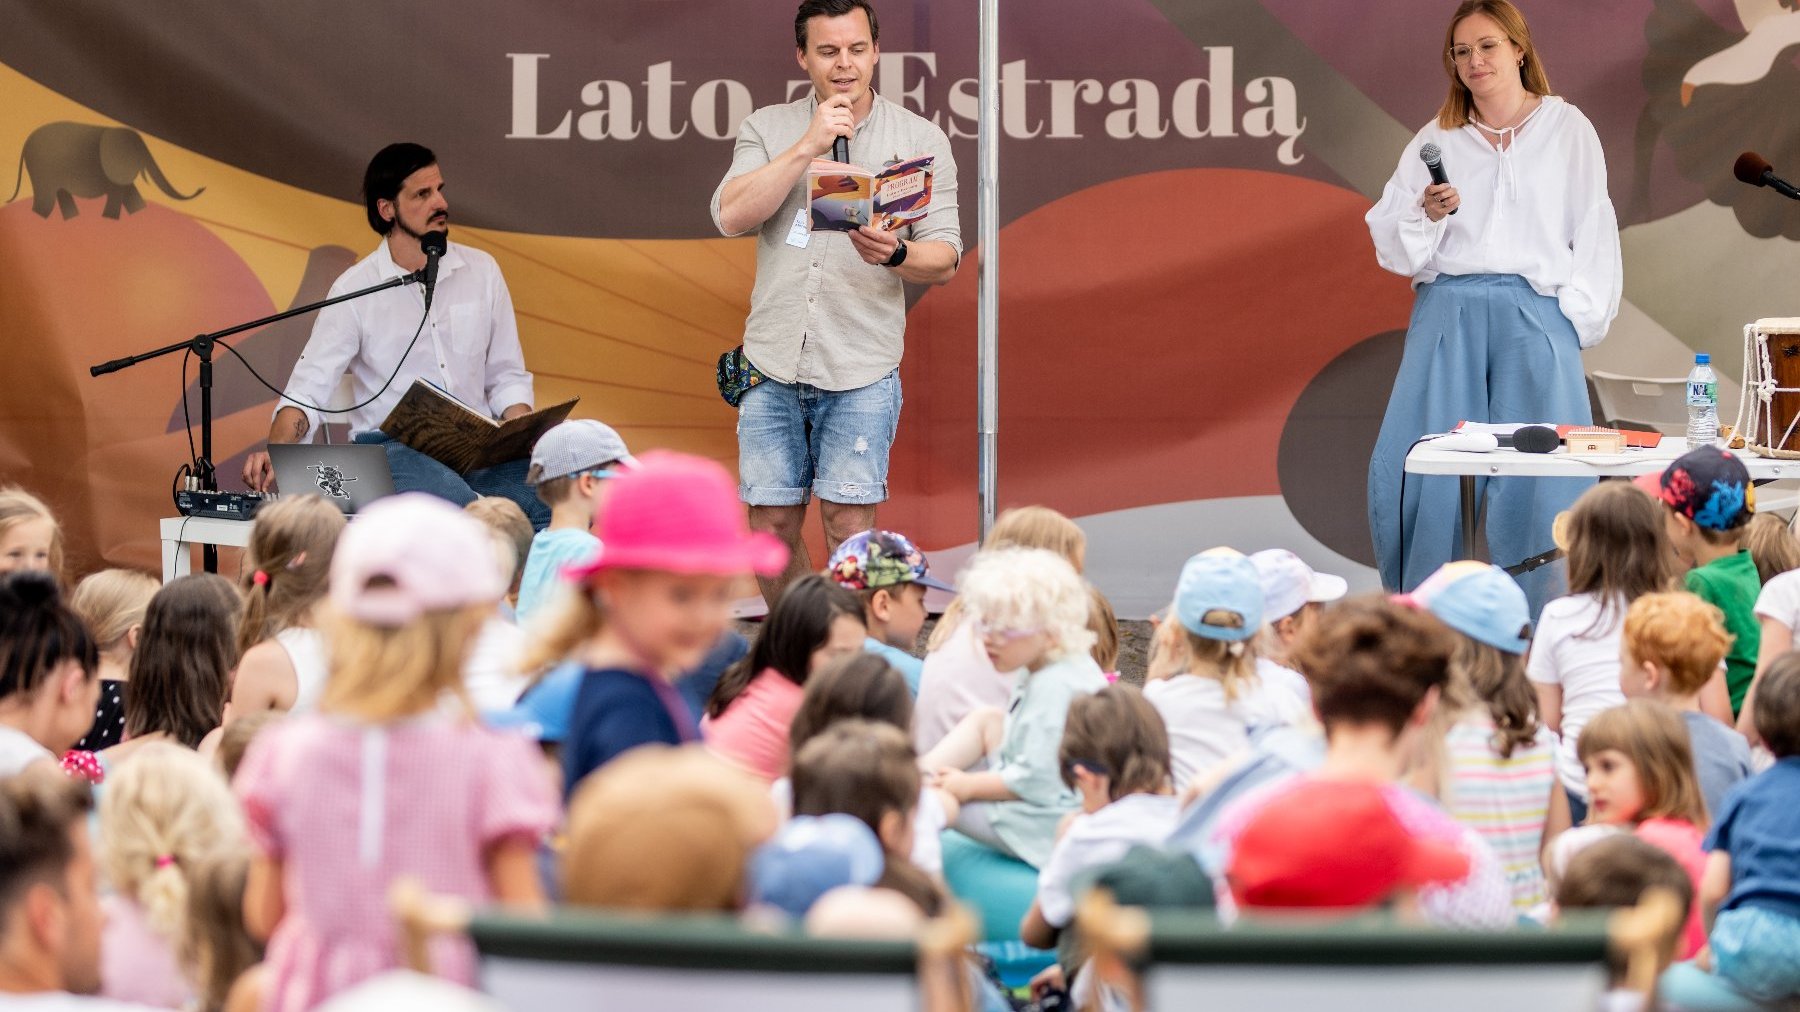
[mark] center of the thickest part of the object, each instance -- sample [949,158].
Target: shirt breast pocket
[467,335]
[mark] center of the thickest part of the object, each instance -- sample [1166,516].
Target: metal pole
[987,286]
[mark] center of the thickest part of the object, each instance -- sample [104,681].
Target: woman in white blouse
[1516,265]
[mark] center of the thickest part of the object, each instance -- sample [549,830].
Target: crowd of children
[436,695]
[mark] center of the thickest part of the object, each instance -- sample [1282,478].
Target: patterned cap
[1710,487]
[871,560]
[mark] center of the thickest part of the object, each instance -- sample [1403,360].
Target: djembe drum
[1771,391]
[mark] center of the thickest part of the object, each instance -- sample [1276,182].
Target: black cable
[334,411]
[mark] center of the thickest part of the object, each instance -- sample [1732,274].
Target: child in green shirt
[1710,502]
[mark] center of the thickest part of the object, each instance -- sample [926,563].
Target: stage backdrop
[1196,343]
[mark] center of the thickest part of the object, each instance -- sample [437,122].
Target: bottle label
[1701,394]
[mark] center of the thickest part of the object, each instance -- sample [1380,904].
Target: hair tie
[260,578]
[164,861]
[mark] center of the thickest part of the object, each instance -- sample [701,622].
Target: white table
[1468,465]
[180,534]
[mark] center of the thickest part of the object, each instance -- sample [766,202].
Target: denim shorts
[796,441]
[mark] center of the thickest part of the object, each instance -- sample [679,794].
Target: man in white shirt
[49,898]
[467,346]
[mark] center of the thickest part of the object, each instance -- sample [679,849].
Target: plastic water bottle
[1702,403]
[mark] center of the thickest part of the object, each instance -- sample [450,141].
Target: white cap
[574,446]
[1289,584]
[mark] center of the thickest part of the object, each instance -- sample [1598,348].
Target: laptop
[350,475]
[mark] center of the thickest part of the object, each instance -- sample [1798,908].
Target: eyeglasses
[1489,47]
[988,632]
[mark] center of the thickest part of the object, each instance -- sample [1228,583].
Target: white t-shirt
[1571,651]
[19,750]
[491,671]
[1286,679]
[929,822]
[1099,838]
[1204,729]
[307,652]
[1780,599]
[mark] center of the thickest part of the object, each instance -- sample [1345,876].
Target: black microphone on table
[434,244]
[1433,157]
[1754,169]
[1525,439]
[840,149]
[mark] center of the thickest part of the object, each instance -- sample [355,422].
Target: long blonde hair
[1460,104]
[1021,527]
[381,673]
[18,506]
[111,602]
[164,810]
[1232,665]
[287,565]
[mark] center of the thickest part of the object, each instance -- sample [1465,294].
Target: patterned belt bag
[736,375]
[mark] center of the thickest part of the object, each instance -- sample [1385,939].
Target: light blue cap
[1214,582]
[1480,601]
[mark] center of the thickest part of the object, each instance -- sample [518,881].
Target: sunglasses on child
[989,632]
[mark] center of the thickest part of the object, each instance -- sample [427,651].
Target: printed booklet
[845,198]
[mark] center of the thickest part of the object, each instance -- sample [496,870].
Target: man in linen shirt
[469,346]
[828,311]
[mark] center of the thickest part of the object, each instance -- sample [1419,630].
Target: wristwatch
[899,256]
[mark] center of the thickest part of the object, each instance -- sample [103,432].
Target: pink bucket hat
[678,514]
[422,554]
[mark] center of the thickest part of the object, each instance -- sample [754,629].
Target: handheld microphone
[1433,157]
[434,244]
[840,150]
[1526,439]
[1754,169]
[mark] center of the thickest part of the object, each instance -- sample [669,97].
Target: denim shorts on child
[796,440]
[1758,951]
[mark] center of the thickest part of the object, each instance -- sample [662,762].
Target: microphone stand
[202,347]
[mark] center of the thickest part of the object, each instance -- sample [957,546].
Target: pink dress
[136,963]
[1683,841]
[348,808]
[752,733]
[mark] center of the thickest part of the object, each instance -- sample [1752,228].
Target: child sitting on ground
[569,468]
[814,622]
[48,681]
[1292,597]
[891,577]
[112,603]
[652,605]
[1672,646]
[1709,501]
[492,673]
[1030,611]
[1751,888]
[286,567]
[1203,678]
[1640,777]
[161,815]
[181,672]
[1494,767]
[391,777]
[30,538]
[1115,753]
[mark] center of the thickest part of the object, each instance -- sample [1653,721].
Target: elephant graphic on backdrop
[69,160]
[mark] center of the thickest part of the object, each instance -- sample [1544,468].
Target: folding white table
[181,534]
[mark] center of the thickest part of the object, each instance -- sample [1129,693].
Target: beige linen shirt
[819,314]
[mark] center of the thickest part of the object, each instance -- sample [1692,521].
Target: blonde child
[492,673]
[162,815]
[216,950]
[1618,552]
[181,671]
[1292,596]
[1494,767]
[1104,624]
[956,677]
[286,567]
[507,521]
[569,468]
[1029,609]
[1202,677]
[1772,545]
[1672,647]
[664,830]
[1777,609]
[814,622]
[1640,777]
[112,603]
[30,537]
[652,605]
[48,667]
[392,776]
[1115,754]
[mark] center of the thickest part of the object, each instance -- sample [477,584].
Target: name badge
[800,232]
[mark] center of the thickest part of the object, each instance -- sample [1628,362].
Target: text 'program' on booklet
[845,198]
[461,438]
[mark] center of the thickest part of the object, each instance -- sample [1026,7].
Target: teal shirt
[910,667]
[1731,585]
[1028,755]
[551,551]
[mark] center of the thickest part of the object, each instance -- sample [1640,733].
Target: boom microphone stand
[202,347]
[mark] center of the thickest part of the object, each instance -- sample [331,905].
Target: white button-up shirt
[469,346]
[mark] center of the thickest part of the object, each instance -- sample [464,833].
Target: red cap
[1332,845]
